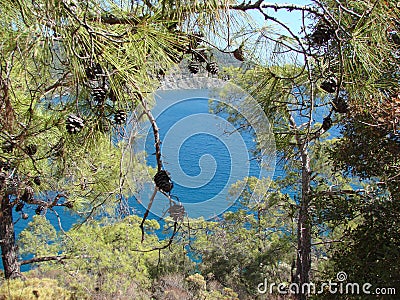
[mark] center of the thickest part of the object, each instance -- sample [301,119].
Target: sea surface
[203,153]
[201,156]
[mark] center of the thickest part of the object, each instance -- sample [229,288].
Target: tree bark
[43,258]
[303,265]
[9,253]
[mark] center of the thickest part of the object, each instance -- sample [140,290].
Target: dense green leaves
[68,71]
[39,238]
[250,244]
[106,257]
[369,151]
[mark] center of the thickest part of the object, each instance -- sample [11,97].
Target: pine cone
[37,180]
[238,54]
[69,204]
[161,74]
[112,96]
[163,181]
[94,71]
[212,67]
[194,67]
[31,149]
[99,95]
[120,117]
[19,206]
[329,85]
[177,212]
[340,105]
[27,196]
[326,123]
[5,165]
[394,36]
[321,35]
[74,124]
[39,209]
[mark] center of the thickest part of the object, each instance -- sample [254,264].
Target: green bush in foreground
[33,288]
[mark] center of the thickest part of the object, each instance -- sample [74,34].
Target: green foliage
[109,256]
[102,257]
[324,196]
[250,244]
[369,152]
[106,259]
[273,88]
[198,286]
[48,79]
[48,57]
[176,259]
[39,237]
[92,60]
[335,195]
[371,250]
[369,148]
[33,288]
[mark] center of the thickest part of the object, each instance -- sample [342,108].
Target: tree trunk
[303,265]
[9,252]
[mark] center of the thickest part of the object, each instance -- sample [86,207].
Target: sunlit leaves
[39,238]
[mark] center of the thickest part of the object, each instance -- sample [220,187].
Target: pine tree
[71,73]
[345,61]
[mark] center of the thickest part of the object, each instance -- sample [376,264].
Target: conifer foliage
[71,74]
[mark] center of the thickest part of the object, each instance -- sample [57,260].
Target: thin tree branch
[327,242]
[146,214]
[157,141]
[113,20]
[43,259]
[290,7]
[169,243]
[340,192]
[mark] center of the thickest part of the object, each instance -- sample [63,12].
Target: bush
[33,288]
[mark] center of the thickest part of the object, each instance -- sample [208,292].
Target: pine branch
[146,214]
[292,7]
[113,20]
[348,10]
[327,242]
[248,6]
[259,5]
[169,243]
[43,259]
[157,141]
[340,192]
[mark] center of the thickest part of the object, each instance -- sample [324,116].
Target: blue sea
[203,153]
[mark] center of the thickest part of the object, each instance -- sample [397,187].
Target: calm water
[203,153]
[202,159]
